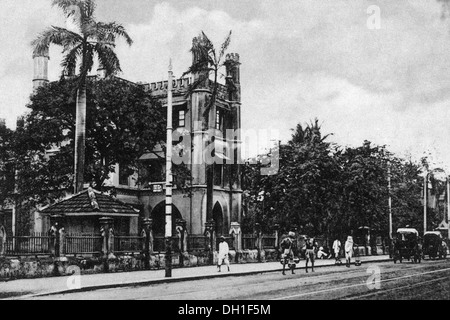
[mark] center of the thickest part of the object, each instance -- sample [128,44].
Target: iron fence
[248,241]
[128,244]
[83,244]
[33,244]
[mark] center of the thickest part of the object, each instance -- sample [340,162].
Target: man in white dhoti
[336,249]
[224,250]
[348,250]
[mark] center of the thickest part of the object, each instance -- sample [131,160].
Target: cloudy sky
[386,80]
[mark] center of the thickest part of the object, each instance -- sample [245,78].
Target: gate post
[106,228]
[276,229]
[182,239]
[210,240]
[2,241]
[258,243]
[148,241]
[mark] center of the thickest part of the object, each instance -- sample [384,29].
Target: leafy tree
[6,164]
[92,39]
[123,123]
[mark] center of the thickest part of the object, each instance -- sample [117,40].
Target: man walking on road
[336,249]
[224,250]
[348,250]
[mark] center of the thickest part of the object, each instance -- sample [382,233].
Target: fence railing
[83,244]
[248,241]
[159,244]
[34,244]
[197,242]
[128,244]
[269,241]
[87,244]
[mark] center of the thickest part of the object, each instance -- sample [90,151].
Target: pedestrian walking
[311,246]
[288,246]
[337,249]
[348,251]
[224,250]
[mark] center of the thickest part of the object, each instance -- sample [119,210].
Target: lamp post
[169,177]
[389,201]
[425,186]
[448,207]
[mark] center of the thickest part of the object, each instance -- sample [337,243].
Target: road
[428,280]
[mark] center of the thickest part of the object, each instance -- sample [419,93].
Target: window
[181,118]
[123,175]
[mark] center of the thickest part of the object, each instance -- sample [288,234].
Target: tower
[40,76]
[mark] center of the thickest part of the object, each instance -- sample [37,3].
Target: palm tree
[207,63]
[92,40]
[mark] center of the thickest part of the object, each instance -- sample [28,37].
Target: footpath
[28,288]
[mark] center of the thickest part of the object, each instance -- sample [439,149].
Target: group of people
[289,252]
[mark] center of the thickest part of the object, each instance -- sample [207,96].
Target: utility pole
[389,200]
[425,186]
[169,177]
[448,207]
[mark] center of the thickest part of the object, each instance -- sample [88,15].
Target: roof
[437,233]
[408,230]
[80,205]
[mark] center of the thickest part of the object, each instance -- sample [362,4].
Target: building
[189,113]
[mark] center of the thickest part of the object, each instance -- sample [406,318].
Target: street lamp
[448,207]
[425,185]
[389,200]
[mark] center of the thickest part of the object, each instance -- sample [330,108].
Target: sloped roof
[80,205]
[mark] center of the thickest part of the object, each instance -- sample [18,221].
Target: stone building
[189,113]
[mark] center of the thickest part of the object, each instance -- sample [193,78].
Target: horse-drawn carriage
[434,246]
[406,245]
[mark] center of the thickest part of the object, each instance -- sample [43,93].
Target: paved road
[428,280]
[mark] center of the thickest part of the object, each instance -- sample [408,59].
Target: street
[386,280]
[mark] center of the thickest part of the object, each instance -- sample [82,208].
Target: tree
[6,164]
[123,123]
[92,39]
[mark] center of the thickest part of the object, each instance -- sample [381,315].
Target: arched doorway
[218,219]
[158,216]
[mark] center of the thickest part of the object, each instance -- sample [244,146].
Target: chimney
[233,67]
[2,123]
[40,69]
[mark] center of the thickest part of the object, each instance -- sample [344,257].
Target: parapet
[233,56]
[160,87]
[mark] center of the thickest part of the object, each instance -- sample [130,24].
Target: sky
[368,70]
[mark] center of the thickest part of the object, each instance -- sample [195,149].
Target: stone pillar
[62,237]
[276,229]
[258,244]
[106,227]
[182,239]
[235,231]
[2,241]
[147,235]
[182,233]
[210,240]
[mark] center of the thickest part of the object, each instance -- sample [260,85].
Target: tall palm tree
[207,64]
[80,48]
